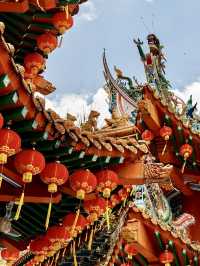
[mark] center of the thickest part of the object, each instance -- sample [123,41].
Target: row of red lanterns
[34,62]
[185,150]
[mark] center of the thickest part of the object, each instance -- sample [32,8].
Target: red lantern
[74,223]
[9,255]
[34,62]
[107,181]
[95,208]
[62,21]
[55,174]
[130,250]
[10,144]
[185,151]
[57,233]
[148,136]
[166,257]
[1,121]
[83,182]
[47,42]
[165,133]
[28,163]
[39,246]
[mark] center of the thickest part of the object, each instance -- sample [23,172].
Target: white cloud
[77,105]
[88,12]
[192,89]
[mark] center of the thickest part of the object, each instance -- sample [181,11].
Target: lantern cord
[183,166]
[20,204]
[91,239]
[48,214]
[75,221]
[60,42]
[57,257]
[164,148]
[86,235]
[74,254]
[107,216]
[64,251]
[79,241]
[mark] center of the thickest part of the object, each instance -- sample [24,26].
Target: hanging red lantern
[9,255]
[148,136]
[107,181]
[47,42]
[10,144]
[34,62]
[57,234]
[95,208]
[130,250]
[28,163]
[165,133]
[55,174]
[74,223]
[39,246]
[62,21]
[83,182]
[166,258]
[185,151]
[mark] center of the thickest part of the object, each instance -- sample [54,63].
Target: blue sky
[76,67]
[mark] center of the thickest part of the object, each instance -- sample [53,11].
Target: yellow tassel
[57,257]
[107,218]
[91,239]
[86,236]
[48,214]
[1,179]
[64,251]
[74,254]
[79,241]
[75,221]
[164,148]
[183,167]
[21,202]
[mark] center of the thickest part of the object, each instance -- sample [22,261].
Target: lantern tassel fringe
[1,179]
[21,202]
[75,221]
[107,218]
[183,166]
[48,214]
[74,254]
[164,148]
[91,239]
